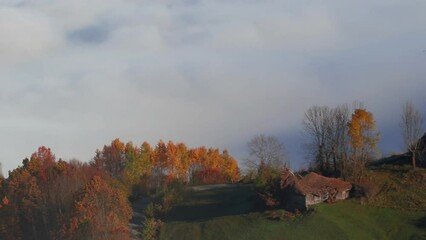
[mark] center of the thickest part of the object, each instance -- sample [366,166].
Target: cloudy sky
[76,74]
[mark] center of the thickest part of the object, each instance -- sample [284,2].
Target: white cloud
[26,34]
[76,74]
[309,30]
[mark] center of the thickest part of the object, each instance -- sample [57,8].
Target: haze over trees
[266,151]
[412,129]
[48,198]
[266,155]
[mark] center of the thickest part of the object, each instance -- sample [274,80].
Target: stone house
[311,189]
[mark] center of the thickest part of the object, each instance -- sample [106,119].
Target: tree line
[46,198]
[341,142]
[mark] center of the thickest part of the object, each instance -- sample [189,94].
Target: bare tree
[412,128]
[1,171]
[266,152]
[326,141]
[316,127]
[338,139]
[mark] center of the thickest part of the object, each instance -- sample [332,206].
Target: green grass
[230,213]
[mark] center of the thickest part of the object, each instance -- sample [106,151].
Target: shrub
[150,210]
[209,176]
[365,189]
[151,228]
[279,215]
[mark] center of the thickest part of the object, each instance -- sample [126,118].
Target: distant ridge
[405,158]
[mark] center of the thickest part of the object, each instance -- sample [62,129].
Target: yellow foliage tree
[363,139]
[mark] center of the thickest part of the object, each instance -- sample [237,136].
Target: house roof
[316,184]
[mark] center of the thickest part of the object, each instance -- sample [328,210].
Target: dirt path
[215,186]
[135,224]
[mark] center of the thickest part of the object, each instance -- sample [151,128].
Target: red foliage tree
[100,212]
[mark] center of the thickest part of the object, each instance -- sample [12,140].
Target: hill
[231,212]
[400,187]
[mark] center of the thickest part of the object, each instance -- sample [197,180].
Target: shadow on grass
[212,203]
[420,223]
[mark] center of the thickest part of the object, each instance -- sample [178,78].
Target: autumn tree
[25,194]
[179,161]
[148,181]
[99,212]
[209,166]
[160,159]
[9,219]
[31,193]
[112,158]
[38,197]
[363,140]
[47,198]
[197,157]
[230,167]
[412,129]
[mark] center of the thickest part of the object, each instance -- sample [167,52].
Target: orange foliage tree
[111,158]
[363,139]
[209,166]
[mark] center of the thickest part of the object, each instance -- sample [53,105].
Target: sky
[74,75]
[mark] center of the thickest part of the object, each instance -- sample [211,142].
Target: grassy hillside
[400,187]
[230,213]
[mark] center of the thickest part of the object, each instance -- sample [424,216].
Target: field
[230,212]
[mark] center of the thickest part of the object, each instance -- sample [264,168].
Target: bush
[366,190]
[150,210]
[208,176]
[279,215]
[171,194]
[151,228]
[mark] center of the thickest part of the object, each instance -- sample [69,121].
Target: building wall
[342,195]
[312,199]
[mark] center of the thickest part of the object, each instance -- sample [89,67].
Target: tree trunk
[335,165]
[413,158]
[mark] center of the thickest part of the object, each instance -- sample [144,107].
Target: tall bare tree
[316,127]
[326,139]
[338,139]
[266,152]
[412,128]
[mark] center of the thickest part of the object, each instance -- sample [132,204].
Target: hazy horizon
[77,74]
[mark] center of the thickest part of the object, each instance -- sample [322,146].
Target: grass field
[229,212]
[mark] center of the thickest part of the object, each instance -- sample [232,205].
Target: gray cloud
[76,74]
[89,35]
